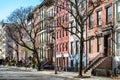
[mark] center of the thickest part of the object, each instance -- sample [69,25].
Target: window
[72,48]
[60,7]
[90,45]
[77,47]
[63,19]
[54,11]
[90,21]
[63,5]
[118,11]
[57,47]
[60,47]
[108,14]
[82,4]
[66,46]
[67,17]
[98,44]
[77,28]
[58,21]
[72,26]
[118,40]
[99,22]
[63,47]
[57,35]
[63,33]
[60,34]
[118,43]
[72,8]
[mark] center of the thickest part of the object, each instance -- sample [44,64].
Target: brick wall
[106,64]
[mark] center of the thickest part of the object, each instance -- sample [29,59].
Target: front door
[71,63]
[107,45]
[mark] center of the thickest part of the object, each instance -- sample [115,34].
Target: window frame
[90,22]
[99,18]
[99,44]
[108,15]
[90,45]
[72,51]
[77,47]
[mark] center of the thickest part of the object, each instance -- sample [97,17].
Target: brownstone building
[99,35]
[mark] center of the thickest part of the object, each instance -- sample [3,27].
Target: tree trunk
[17,55]
[38,61]
[81,53]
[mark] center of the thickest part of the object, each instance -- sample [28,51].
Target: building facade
[74,47]
[62,36]
[39,23]
[8,44]
[100,35]
[50,28]
[117,33]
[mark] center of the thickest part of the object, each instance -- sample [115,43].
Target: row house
[7,42]
[44,21]
[99,35]
[116,11]
[101,28]
[2,43]
[39,23]
[62,36]
[74,43]
[50,28]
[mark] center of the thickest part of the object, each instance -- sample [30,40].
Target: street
[9,73]
[14,73]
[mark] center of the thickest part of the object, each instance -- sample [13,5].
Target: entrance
[107,45]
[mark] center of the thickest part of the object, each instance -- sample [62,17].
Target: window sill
[99,25]
[108,23]
[90,28]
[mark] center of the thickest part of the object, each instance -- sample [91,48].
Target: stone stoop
[105,68]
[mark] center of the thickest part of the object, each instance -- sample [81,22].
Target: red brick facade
[102,30]
[62,36]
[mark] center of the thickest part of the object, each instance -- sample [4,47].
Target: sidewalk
[50,74]
[73,74]
[66,74]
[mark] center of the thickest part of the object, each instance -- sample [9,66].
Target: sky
[8,6]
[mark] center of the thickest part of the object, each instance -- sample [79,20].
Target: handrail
[93,61]
[96,57]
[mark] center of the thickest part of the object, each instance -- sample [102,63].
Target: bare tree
[79,11]
[23,34]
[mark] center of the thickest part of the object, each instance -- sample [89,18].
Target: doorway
[107,44]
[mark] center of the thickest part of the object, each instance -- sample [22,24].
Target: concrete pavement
[64,74]
[21,73]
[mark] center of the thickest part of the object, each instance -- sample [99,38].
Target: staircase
[48,64]
[95,62]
